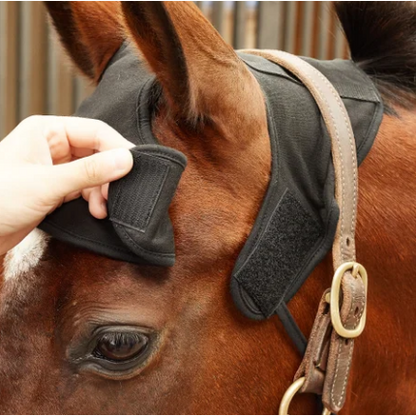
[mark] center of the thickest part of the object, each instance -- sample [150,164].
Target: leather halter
[341,314]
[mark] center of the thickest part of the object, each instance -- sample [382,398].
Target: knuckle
[92,170]
[54,132]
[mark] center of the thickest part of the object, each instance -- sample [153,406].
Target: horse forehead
[26,255]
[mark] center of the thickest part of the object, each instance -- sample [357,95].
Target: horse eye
[120,346]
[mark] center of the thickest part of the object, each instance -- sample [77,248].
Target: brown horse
[196,352]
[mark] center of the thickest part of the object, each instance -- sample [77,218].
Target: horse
[192,350]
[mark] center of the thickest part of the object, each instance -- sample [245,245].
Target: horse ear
[91,32]
[200,74]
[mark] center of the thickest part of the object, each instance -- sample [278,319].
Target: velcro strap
[138,204]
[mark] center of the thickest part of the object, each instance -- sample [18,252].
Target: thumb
[90,171]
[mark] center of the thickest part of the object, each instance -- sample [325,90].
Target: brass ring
[290,394]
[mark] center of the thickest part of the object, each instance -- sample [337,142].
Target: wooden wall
[36,78]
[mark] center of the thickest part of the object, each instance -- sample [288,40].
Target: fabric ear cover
[138,203]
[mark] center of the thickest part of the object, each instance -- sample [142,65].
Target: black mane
[382,40]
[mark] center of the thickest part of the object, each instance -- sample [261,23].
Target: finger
[104,191]
[83,133]
[90,171]
[43,133]
[59,146]
[78,153]
[86,193]
[97,204]
[26,143]
[66,136]
[72,196]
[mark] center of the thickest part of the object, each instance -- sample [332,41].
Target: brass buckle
[356,269]
[290,394]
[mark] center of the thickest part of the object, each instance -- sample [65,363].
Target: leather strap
[327,361]
[341,349]
[314,363]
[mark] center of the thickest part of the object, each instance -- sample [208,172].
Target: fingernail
[122,158]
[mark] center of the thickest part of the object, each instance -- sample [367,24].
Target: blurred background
[37,78]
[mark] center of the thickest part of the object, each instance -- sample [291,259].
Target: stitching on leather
[347,372]
[308,368]
[344,383]
[308,69]
[336,371]
[354,160]
[340,344]
[335,94]
[355,323]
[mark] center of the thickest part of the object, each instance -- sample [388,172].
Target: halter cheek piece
[327,361]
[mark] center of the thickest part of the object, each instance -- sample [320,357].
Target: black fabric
[292,329]
[138,203]
[297,221]
[138,228]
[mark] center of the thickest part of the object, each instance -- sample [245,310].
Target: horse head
[84,333]
[97,335]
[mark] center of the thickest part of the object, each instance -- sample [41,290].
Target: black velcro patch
[136,197]
[138,204]
[280,255]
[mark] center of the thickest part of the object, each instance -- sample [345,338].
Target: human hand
[46,161]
